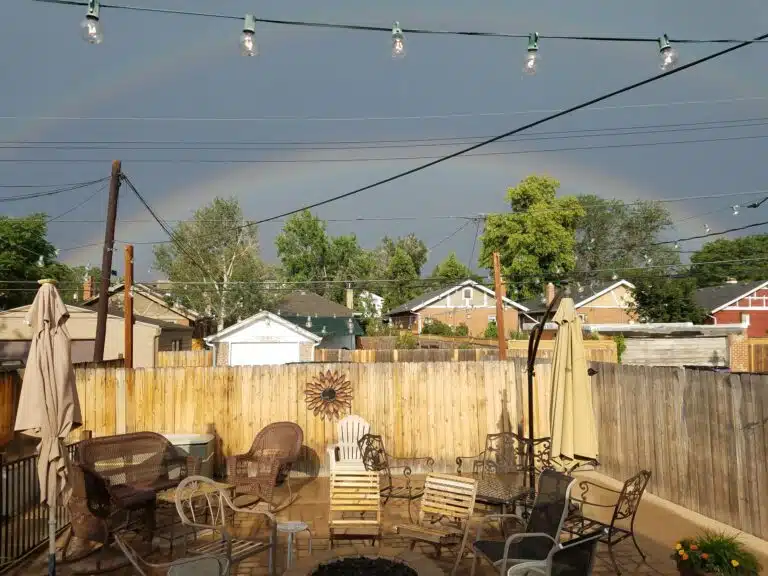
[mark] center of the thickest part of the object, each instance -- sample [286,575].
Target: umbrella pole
[52,537]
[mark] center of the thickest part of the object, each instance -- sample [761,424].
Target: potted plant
[714,553]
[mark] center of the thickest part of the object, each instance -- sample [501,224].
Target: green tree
[662,299]
[412,245]
[25,257]
[72,279]
[217,254]
[536,238]
[453,270]
[402,274]
[612,235]
[746,249]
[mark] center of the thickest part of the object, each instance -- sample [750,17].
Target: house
[150,303]
[372,304]
[737,303]
[468,303]
[149,336]
[264,338]
[334,323]
[596,303]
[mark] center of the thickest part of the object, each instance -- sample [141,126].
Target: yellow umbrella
[571,419]
[49,408]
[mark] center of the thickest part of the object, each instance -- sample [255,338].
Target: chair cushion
[131,498]
[532,548]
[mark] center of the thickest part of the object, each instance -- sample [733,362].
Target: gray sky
[343,85]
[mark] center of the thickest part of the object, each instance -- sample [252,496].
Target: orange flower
[685,556]
[681,552]
[704,555]
[694,547]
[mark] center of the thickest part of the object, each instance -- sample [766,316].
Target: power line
[374,118]
[53,192]
[711,234]
[517,130]
[79,204]
[388,29]
[385,158]
[319,145]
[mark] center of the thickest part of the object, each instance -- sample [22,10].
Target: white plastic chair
[346,451]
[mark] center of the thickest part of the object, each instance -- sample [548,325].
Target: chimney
[350,299]
[549,293]
[88,288]
[731,281]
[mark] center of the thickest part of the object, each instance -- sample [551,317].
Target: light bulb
[40,262]
[248,45]
[532,57]
[91,26]
[398,41]
[323,331]
[615,276]
[706,229]
[677,245]
[309,322]
[735,209]
[351,326]
[668,55]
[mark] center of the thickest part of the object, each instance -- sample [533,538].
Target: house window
[176,345]
[745,319]
[467,293]
[492,318]
[583,318]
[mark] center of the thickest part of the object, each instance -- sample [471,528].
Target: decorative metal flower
[329,394]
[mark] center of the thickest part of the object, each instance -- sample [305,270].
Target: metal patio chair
[194,566]
[573,558]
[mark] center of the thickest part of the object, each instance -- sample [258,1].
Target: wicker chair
[376,458]
[254,473]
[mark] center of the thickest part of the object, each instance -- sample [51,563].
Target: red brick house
[737,303]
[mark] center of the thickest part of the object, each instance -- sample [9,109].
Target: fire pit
[367,562]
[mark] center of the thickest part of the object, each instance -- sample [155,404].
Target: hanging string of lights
[93,33]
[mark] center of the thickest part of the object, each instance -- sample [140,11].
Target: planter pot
[688,571]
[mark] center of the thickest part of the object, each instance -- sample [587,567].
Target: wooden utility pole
[106,263]
[499,306]
[128,306]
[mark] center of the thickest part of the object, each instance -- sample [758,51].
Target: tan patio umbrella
[571,419]
[49,408]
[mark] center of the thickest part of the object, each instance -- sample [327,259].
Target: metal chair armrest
[537,567]
[460,460]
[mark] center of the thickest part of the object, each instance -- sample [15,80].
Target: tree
[25,257]
[748,249]
[453,270]
[402,274]
[72,280]
[612,235]
[214,264]
[536,239]
[662,299]
[413,246]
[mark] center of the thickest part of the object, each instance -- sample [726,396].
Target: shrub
[437,328]
[621,346]
[491,330]
[518,335]
[461,330]
[593,336]
[715,553]
[406,341]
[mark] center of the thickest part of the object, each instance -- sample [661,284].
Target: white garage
[264,338]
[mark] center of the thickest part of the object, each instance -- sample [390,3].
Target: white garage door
[257,353]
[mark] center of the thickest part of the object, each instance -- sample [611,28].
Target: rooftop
[306,303]
[714,297]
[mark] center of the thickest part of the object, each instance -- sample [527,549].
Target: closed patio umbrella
[49,408]
[572,421]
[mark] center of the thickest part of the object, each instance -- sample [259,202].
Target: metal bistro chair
[541,530]
[573,558]
[195,566]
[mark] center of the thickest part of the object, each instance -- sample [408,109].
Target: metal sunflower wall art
[329,394]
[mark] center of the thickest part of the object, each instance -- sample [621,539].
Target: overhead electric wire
[711,234]
[53,192]
[388,29]
[374,118]
[79,204]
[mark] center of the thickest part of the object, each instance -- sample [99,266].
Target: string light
[91,25]
[308,323]
[398,41]
[350,326]
[669,55]
[707,229]
[248,45]
[735,209]
[532,57]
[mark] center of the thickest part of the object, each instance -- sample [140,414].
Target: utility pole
[128,306]
[106,263]
[499,306]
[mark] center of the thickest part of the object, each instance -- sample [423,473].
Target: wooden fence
[10,387]
[602,351]
[704,435]
[187,358]
[758,354]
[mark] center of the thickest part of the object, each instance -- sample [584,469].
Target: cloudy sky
[180,80]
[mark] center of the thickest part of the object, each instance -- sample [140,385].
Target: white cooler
[199,445]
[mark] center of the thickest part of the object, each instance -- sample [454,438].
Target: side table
[292,528]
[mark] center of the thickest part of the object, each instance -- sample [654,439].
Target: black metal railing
[23,520]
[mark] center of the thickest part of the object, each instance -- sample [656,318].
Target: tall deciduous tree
[453,270]
[612,235]
[738,258]
[402,276]
[662,299]
[411,244]
[215,265]
[535,239]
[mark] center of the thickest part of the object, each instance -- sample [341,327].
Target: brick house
[596,303]
[467,303]
[737,303]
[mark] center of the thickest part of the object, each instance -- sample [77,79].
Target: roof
[111,314]
[715,298]
[333,326]
[153,295]
[655,329]
[305,303]
[263,315]
[154,321]
[436,295]
[591,292]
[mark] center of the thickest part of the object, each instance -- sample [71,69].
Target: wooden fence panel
[191,358]
[594,354]
[10,388]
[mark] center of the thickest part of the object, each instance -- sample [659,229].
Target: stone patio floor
[311,506]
